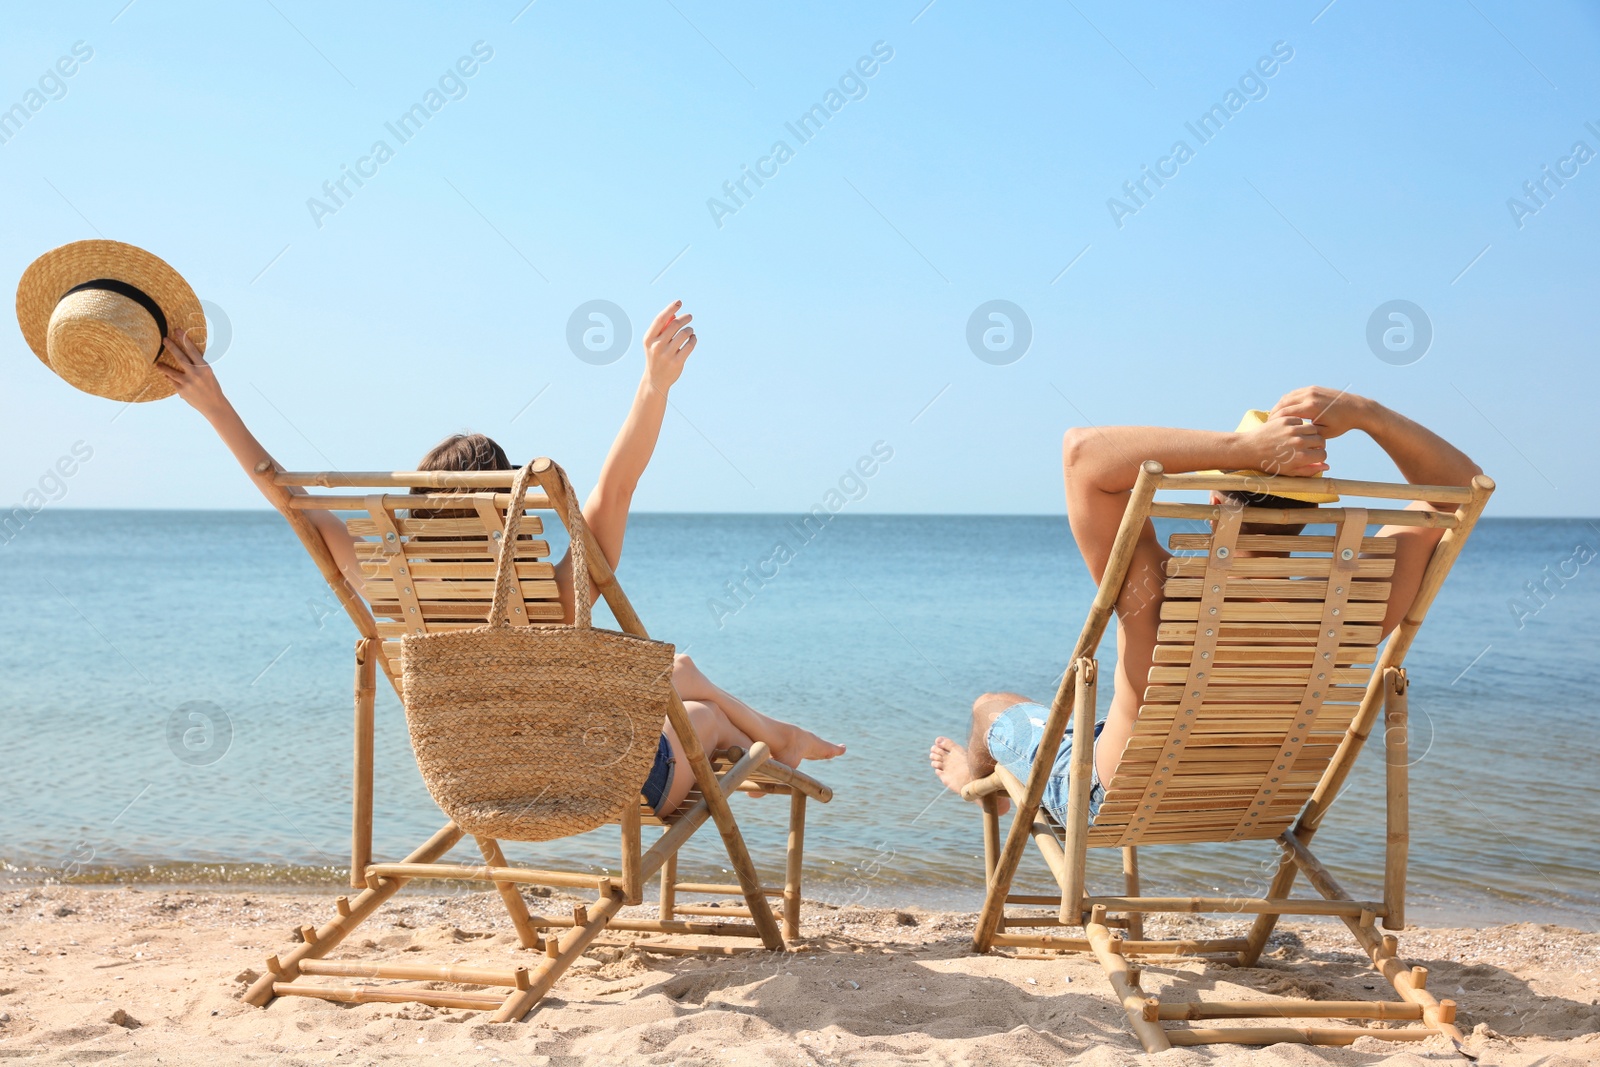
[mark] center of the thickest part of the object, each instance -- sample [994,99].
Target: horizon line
[758,514]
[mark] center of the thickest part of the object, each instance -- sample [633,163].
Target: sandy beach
[152,975]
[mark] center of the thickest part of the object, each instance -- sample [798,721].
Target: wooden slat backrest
[1261,663]
[427,562]
[426,570]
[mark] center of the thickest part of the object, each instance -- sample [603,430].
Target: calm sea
[115,626]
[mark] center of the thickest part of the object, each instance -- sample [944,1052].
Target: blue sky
[576,163]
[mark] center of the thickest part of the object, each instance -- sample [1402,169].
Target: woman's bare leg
[789,743]
[715,731]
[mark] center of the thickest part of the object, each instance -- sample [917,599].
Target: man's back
[1100,465]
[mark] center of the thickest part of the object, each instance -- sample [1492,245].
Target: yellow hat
[1253,420]
[95,312]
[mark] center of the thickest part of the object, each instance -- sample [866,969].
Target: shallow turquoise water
[878,634]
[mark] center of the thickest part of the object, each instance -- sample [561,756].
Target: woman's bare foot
[802,744]
[950,764]
[789,743]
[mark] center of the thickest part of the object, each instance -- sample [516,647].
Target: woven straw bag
[530,733]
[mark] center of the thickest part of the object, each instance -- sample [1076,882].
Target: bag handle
[506,585]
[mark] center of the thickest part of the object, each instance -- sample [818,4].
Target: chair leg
[1130,878]
[325,938]
[632,852]
[749,879]
[991,834]
[560,954]
[1022,819]
[368,650]
[1396,744]
[1076,845]
[794,865]
[1261,929]
[1383,950]
[991,846]
[669,885]
[732,839]
[1124,981]
[527,936]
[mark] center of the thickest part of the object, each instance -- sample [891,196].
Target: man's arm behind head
[1101,463]
[1423,457]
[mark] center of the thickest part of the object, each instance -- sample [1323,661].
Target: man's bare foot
[802,744]
[950,764]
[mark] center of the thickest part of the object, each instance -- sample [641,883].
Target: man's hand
[195,381]
[1335,412]
[1286,446]
[667,344]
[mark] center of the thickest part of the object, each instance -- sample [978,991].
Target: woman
[720,719]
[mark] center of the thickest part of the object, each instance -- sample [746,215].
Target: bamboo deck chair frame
[1255,598]
[385,501]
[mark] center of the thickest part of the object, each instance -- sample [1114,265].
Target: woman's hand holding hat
[191,375]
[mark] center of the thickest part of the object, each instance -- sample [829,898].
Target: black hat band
[132,292]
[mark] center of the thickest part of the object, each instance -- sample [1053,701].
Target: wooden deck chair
[430,574]
[1266,680]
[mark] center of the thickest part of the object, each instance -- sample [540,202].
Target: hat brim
[49,277]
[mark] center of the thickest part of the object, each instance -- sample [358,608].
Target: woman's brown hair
[460,452]
[465,452]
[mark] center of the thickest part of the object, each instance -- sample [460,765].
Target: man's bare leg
[789,743]
[958,766]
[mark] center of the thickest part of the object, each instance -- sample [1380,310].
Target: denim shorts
[659,783]
[1014,740]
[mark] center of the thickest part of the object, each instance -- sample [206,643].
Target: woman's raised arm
[667,345]
[198,386]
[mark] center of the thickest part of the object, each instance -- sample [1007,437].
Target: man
[1100,466]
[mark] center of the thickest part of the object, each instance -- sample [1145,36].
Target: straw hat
[1253,420]
[95,312]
